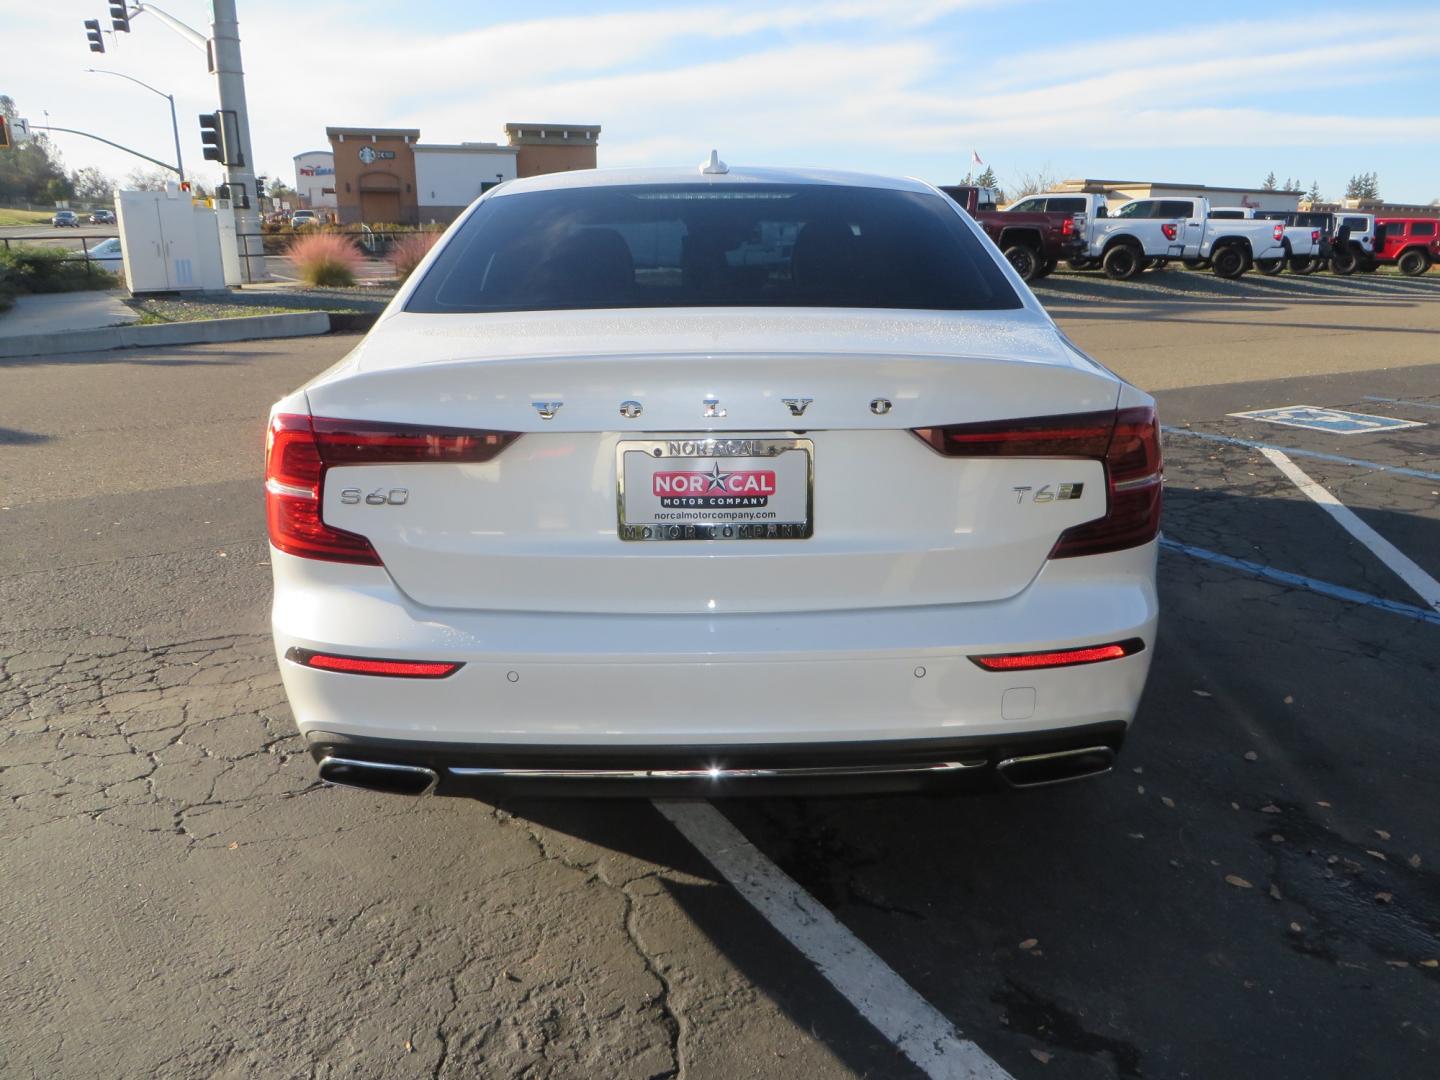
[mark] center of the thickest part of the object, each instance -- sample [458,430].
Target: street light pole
[174,124]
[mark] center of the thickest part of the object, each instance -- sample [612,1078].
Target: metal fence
[85,253]
[376,243]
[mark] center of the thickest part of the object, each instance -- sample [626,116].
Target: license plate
[704,488]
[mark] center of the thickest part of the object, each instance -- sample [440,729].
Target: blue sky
[1221,94]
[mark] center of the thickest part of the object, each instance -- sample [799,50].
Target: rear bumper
[1032,759]
[838,680]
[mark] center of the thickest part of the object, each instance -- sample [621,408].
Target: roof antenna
[714,167]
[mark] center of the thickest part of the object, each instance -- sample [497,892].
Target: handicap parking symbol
[1335,421]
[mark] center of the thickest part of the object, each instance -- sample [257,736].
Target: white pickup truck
[1093,206]
[1302,243]
[1145,230]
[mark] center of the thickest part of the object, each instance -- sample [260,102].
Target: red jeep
[1411,243]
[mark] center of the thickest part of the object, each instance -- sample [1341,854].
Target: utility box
[169,244]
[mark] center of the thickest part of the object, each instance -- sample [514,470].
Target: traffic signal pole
[223,50]
[230,77]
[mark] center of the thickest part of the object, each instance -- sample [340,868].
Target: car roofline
[735,176]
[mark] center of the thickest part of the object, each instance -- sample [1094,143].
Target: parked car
[102,217]
[107,255]
[65,219]
[1302,243]
[1181,228]
[600,505]
[1347,240]
[1411,244]
[301,218]
[1034,243]
[1091,205]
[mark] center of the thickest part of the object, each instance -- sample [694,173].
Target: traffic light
[92,31]
[220,136]
[119,17]
[210,137]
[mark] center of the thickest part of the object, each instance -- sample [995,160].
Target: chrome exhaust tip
[1060,767]
[378,776]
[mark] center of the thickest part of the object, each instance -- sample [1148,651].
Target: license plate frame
[730,523]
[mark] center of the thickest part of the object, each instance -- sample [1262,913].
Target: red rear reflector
[362,665]
[1091,654]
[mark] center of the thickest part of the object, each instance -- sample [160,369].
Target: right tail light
[1126,441]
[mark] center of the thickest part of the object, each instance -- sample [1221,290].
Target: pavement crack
[673,1020]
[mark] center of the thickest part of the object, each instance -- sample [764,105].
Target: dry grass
[325,259]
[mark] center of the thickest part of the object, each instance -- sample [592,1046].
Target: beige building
[549,148]
[1118,192]
[1381,208]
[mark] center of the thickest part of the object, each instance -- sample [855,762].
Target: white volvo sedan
[718,481]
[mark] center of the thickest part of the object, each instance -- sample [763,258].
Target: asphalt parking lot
[1252,892]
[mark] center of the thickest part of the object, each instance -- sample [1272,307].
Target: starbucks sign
[368,155]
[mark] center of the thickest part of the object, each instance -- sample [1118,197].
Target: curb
[352,322]
[245,328]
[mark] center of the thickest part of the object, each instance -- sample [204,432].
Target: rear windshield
[714,245]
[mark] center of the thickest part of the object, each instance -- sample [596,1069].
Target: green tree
[1313,195]
[59,189]
[92,185]
[1363,186]
[148,179]
[26,169]
[1269,184]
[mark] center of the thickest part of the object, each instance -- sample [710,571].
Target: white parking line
[1423,584]
[915,1026]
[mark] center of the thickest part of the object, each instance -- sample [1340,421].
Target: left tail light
[1126,441]
[299,449]
[1170,231]
[1279,231]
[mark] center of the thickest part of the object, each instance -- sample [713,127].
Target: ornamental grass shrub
[409,250]
[325,259]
